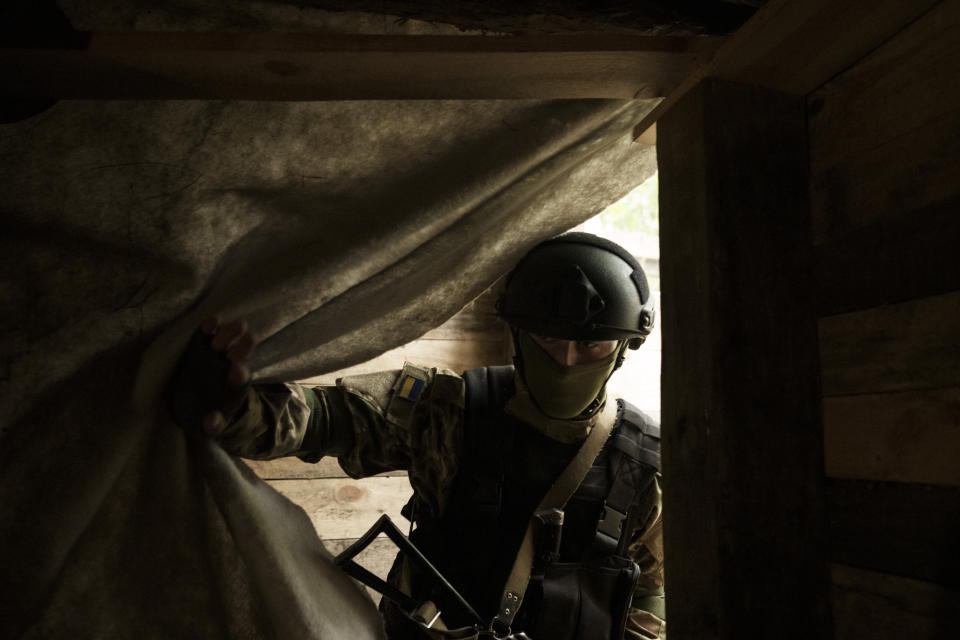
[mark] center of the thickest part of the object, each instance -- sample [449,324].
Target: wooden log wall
[885,193]
[342,508]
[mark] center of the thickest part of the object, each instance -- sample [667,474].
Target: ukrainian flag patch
[411,388]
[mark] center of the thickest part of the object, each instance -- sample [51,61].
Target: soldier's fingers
[238,375]
[213,423]
[227,334]
[242,347]
[210,325]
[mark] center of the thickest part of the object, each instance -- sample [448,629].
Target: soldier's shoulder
[375,388]
[397,392]
[629,412]
[638,435]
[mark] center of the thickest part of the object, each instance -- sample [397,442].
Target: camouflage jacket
[387,431]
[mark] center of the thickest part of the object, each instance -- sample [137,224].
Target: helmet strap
[517,354]
[624,344]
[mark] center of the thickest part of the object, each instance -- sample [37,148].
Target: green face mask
[562,391]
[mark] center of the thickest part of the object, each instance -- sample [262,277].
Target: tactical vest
[504,469]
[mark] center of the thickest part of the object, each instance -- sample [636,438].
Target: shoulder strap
[487,390]
[556,497]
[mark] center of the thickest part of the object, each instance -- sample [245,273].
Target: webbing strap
[487,390]
[555,498]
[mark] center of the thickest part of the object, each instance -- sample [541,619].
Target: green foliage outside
[637,212]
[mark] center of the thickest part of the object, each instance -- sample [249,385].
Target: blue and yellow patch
[410,388]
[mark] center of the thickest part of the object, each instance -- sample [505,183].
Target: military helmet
[579,286]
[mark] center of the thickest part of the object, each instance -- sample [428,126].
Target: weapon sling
[556,497]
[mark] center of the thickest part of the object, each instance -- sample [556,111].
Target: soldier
[482,451]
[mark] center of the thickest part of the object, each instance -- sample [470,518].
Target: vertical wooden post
[743,458]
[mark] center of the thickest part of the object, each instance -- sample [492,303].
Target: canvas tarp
[337,229]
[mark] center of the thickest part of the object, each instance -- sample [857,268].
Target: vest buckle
[611,523]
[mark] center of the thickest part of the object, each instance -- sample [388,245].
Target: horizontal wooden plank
[477,320]
[294,468]
[868,604]
[908,81]
[903,176]
[911,436]
[473,326]
[885,184]
[910,345]
[794,47]
[273,66]
[345,508]
[909,530]
[916,253]
[486,302]
[172,42]
[456,355]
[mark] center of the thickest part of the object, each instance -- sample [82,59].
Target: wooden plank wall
[341,508]
[885,204]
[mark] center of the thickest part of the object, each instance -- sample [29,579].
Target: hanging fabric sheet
[338,230]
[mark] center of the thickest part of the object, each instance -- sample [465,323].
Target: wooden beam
[269,66]
[795,46]
[742,439]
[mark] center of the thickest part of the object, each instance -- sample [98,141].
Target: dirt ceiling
[564,16]
[39,21]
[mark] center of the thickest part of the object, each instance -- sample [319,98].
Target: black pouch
[581,601]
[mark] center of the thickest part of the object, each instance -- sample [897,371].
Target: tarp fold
[338,230]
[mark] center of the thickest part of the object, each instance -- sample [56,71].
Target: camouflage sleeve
[647,619]
[272,423]
[412,420]
[405,419]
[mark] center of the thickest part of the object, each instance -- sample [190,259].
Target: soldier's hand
[210,381]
